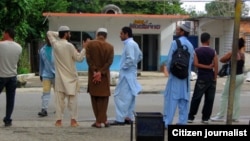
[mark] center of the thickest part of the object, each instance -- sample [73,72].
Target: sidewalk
[152,82]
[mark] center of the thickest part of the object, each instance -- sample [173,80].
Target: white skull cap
[102,30]
[63,28]
[185,26]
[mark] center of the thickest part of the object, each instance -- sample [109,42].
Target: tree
[224,8]
[25,16]
[37,25]
[85,6]
[129,6]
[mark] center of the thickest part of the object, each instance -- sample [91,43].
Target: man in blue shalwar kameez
[47,75]
[177,92]
[128,87]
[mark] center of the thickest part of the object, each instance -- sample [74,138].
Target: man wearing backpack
[177,92]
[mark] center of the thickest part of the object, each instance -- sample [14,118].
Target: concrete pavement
[152,82]
[28,127]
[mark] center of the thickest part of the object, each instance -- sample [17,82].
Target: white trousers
[71,104]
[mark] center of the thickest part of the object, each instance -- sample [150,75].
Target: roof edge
[113,15]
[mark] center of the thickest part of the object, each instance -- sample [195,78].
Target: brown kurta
[99,55]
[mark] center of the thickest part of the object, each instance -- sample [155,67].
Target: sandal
[96,126]
[106,124]
[128,121]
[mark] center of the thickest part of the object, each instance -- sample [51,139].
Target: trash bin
[149,126]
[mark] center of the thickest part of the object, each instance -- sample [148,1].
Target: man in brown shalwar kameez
[99,56]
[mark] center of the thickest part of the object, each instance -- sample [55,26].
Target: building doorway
[149,45]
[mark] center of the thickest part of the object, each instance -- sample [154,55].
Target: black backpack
[180,61]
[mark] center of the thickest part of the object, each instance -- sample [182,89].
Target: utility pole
[237,18]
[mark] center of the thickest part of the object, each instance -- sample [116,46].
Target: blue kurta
[128,87]
[177,92]
[46,65]
[47,72]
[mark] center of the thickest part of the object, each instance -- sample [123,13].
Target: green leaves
[225,9]
[25,17]
[128,7]
[150,7]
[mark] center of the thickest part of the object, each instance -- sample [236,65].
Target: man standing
[206,61]
[47,75]
[128,87]
[66,79]
[99,55]
[10,52]
[177,90]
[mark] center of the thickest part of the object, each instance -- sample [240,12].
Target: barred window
[247,43]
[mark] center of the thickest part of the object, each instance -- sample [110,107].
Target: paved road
[27,126]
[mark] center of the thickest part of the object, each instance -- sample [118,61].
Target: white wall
[221,28]
[114,25]
[167,38]
[83,22]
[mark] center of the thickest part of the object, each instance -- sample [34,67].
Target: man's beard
[68,38]
[178,35]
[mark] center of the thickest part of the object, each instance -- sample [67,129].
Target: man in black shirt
[206,61]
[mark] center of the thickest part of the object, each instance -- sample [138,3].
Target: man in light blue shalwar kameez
[47,75]
[177,92]
[128,87]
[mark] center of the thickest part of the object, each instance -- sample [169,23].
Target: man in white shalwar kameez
[128,87]
[66,76]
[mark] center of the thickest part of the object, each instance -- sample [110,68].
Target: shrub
[24,63]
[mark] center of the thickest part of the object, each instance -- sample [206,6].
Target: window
[247,43]
[217,45]
[77,37]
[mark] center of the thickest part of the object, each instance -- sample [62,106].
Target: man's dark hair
[11,32]
[104,34]
[61,33]
[47,41]
[86,36]
[127,30]
[205,37]
[241,43]
[186,34]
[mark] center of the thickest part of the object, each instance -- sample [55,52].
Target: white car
[193,76]
[114,78]
[247,66]
[248,77]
